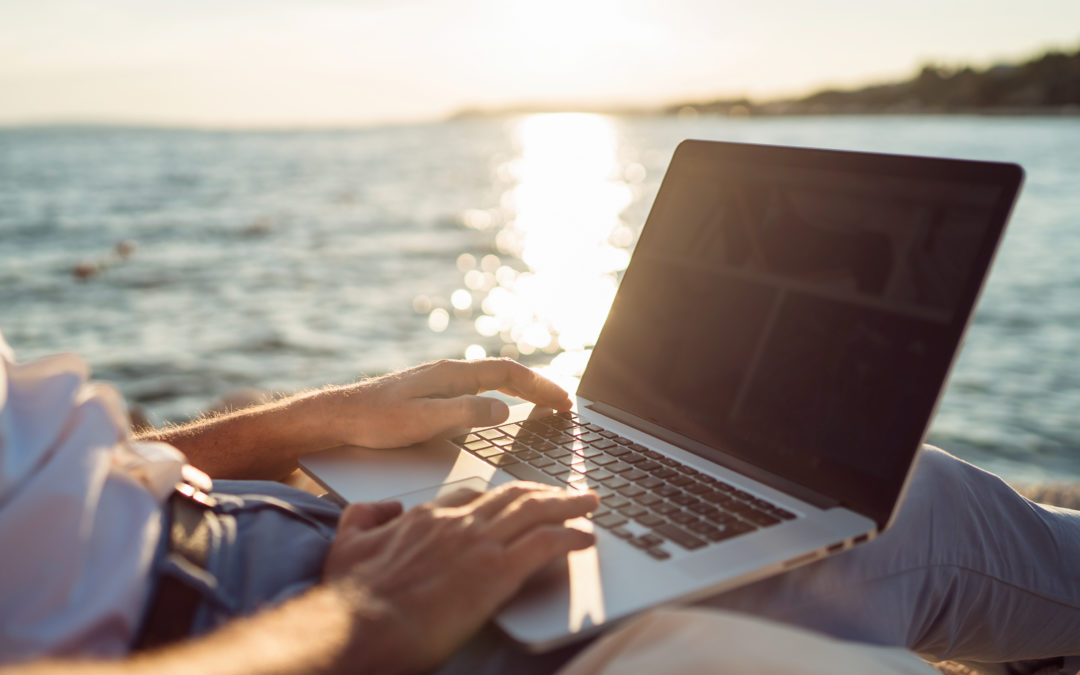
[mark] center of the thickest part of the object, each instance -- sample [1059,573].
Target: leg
[969,570]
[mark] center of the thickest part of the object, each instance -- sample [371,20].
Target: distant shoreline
[1046,85]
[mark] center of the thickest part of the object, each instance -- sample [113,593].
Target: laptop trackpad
[363,475]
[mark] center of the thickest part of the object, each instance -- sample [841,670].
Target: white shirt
[80,506]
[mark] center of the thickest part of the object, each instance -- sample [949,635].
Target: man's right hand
[425,580]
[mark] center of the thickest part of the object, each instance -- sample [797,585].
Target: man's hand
[436,399]
[424,581]
[387,412]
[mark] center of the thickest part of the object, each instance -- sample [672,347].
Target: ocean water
[290,259]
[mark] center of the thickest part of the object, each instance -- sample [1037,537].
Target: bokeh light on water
[561,245]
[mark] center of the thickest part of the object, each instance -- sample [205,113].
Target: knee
[939,474]
[941,484]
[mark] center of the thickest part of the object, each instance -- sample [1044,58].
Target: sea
[184,264]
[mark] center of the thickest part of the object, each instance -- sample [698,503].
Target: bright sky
[330,62]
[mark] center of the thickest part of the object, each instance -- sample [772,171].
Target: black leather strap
[174,603]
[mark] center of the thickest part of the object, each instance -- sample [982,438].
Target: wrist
[377,641]
[324,414]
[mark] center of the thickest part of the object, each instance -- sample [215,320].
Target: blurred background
[204,196]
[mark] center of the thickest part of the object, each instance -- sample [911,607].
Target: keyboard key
[665,508]
[696,488]
[650,483]
[723,532]
[719,517]
[702,508]
[607,460]
[650,520]
[598,474]
[663,472]
[541,462]
[488,452]
[618,450]
[612,519]
[557,471]
[603,444]
[683,518]
[667,491]
[618,467]
[714,496]
[473,446]
[614,502]
[700,527]
[621,533]
[652,539]
[658,553]
[614,482]
[679,536]
[490,434]
[645,498]
[633,511]
[680,480]
[630,490]
[760,518]
[503,460]
[683,499]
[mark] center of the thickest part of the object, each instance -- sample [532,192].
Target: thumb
[450,416]
[368,515]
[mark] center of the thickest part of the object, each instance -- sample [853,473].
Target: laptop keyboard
[652,501]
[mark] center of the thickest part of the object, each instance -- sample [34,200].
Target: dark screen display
[799,309]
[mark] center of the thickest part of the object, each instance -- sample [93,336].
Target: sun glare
[562,221]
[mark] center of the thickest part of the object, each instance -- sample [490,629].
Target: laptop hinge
[718,456]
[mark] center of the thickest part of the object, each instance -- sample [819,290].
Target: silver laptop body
[778,345]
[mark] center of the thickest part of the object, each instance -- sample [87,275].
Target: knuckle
[533,507]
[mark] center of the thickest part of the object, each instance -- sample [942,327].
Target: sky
[271,63]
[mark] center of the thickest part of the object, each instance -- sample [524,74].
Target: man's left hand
[435,399]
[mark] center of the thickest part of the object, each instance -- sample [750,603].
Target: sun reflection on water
[561,246]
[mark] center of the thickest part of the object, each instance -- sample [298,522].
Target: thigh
[268,543]
[970,569]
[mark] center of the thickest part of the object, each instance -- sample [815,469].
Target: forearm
[320,632]
[258,442]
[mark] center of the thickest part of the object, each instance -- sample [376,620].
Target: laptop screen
[799,309]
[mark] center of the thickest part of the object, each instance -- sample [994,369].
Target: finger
[459,497]
[456,378]
[537,510]
[450,416]
[503,496]
[367,515]
[538,547]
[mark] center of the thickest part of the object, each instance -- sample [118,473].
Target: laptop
[761,386]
